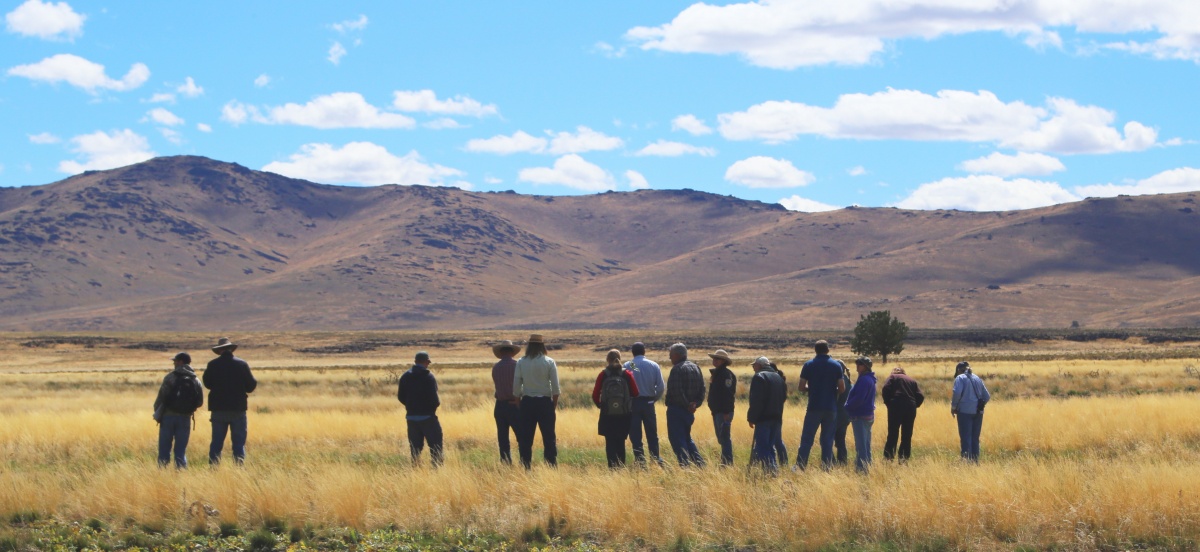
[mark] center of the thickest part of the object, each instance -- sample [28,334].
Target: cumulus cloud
[351,25]
[81,73]
[44,138]
[444,123]
[202,127]
[690,124]
[986,193]
[999,164]
[426,101]
[190,89]
[767,172]
[572,171]
[805,205]
[636,180]
[262,80]
[336,53]
[519,142]
[102,150]
[162,97]
[1185,179]
[163,117]
[337,110]
[361,163]
[856,171]
[173,136]
[46,20]
[664,148]
[785,34]
[582,140]
[1063,126]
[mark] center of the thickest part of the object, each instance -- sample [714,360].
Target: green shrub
[229,529]
[262,541]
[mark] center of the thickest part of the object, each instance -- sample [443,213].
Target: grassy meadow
[1086,445]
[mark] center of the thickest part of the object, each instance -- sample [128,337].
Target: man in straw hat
[722,386]
[508,408]
[229,380]
[535,384]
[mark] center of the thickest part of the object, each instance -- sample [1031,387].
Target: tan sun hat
[721,354]
[505,345]
[223,345]
[535,338]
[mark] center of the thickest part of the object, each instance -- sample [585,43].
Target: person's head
[535,347]
[224,347]
[845,370]
[505,349]
[678,353]
[864,364]
[182,359]
[762,363]
[821,347]
[638,349]
[962,368]
[720,358]
[613,358]
[899,370]
[422,358]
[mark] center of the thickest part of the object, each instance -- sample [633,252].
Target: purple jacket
[860,403]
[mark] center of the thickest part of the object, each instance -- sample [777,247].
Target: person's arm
[204,378]
[251,383]
[633,388]
[919,397]
[889,390]
[437,400]
[956,396]
[596,389]
[518,381]
[554,390]
[400,389]
[756,400]
[161,398]
[698,388]
[659,384]
[841,386]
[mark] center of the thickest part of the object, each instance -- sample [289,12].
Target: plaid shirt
[685,385]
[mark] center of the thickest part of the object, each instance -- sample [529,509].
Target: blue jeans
[780,448]
[179,430]
[643,415]
[721,428]
[862,442]
[679,433]
[766,434]
[813,419]
[969,428]
[537,412]
[508,416]
[233,423]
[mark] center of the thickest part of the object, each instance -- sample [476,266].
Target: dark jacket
[721,391]
[685,385]
[229,380]
[160,407]
[418,392]
[768,395]
[901,391]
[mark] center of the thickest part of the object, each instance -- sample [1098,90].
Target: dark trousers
[537,413]
[679,433]
[425,431]
[721,427]
[839,439]
[614,449]
[228,423]
[826,421]
[508,416]
[643,415]
[763,451]
[900,427]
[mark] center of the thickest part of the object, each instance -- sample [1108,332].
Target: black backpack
[614,395]
[185,395]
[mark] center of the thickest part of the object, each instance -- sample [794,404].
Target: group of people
[527,393]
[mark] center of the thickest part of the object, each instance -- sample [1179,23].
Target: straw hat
[535,338]
[224,345]
[721,354]
[505,345]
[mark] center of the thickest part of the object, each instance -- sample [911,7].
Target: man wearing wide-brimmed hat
[229,380]
[535,384]
[722,386]
[508,408]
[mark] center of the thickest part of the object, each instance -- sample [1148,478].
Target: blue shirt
[648,376]
[823,375]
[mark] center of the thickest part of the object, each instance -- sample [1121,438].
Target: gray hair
[679,349]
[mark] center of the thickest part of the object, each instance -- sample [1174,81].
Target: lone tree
[879,334]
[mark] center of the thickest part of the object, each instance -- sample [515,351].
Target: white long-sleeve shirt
[535,377]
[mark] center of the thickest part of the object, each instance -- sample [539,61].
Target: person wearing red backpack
[178,398]
[613,393]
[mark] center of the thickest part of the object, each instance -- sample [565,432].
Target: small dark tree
[879,334]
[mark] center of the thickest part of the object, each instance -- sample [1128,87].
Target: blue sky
[967,104]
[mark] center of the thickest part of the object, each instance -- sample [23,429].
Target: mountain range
[192,244]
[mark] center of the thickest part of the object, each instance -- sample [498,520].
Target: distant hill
[188,243]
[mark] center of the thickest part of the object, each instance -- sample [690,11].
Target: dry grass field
[1079,452]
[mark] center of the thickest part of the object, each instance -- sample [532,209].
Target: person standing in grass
[821,378]
[967,404]
[229,381]
[860,405]
[651,387]
[768,395]
[685,393]
[178,398]
[843,418]
[902,396]
[418,392]
[613,393]
[781,452]
[535,384]
[721,391]
[508,409]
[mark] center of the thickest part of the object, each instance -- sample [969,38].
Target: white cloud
[767,172]
[163,117]
[100,151]
[46,20]
[583,140]
[44,138]
[690,124]
[999,164]
[426,101]
[986,193]
[361,163]
[571,171]
[202,127]
[81,73]
[952,115]
[519,142]
[162,97]
[636,180]
[336,53]
[190,89]
[608,50]
[337,110]
[1185,179]
[351,25]
[445,123]
[173,136]
[789,34]
[856,171]
[664,148]
[492,180]
[804,205]
[262,80]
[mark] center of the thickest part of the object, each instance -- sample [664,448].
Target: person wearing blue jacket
[860,406]
[967,404]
